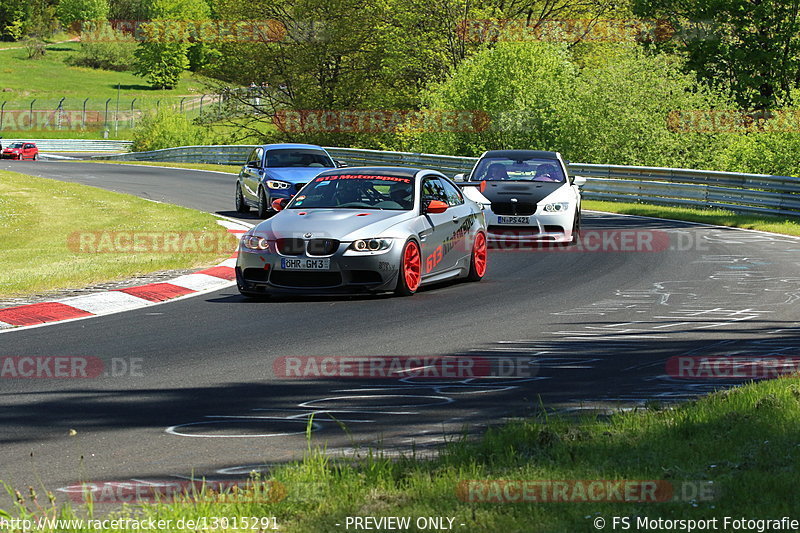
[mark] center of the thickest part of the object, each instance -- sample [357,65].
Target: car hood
[524,191]
[341,224]
[293,175]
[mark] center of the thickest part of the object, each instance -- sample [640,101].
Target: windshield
[16,145]
[503,168]
[357,191]
[298,157]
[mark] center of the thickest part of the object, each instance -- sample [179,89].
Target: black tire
[576,227]
[403,288]
[35,157]
[241,205]
[476,272]
[263,204]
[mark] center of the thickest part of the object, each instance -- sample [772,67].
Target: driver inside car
[348,192]
[496,171]
[546,173]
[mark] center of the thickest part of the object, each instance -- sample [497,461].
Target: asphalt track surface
[594,327]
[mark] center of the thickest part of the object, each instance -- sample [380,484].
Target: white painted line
[54,156]
[3,325]
[102,303]
[232,224]
[693,223]
[199,282]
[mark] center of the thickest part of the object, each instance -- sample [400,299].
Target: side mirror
[580,181]
[279,204]
[339,164]
[459,177]
[436,206]
[252,164]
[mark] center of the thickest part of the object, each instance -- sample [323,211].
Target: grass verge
[733,453]
[720,217]
[42,222]
[232,169]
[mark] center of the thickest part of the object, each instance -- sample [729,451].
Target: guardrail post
[2,113]
[105,120]
[83,115]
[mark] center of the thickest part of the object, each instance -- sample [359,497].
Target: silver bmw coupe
[365,229]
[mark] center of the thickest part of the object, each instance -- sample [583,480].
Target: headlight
[272,184]
[556,207]
[252,242]
[370,245]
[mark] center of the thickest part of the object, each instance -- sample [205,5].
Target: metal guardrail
[742,193]
[74,145]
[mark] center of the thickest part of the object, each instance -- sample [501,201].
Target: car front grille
[291,246]
[513,208]
[316,247]
[322,246]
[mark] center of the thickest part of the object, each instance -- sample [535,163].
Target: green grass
[50,78]
[38,217]
[720,217]
[742,442]
[231,169]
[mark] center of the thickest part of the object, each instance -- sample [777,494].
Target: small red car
[20,150]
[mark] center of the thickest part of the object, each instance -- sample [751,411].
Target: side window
[432,189]
[454,196]
[251,159]
[254,159]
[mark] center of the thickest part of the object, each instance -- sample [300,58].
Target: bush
[167,128]
[116,56]
[613,110]
[518,87]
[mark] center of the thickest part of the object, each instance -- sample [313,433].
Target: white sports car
[527,195]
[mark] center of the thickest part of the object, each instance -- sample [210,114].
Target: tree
[161,63]
[751,47]
[162,56]
[72,11]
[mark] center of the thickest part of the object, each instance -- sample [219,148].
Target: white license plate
[514,220]
[305,264]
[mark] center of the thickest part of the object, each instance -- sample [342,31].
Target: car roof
[399,172]
[289,146]
[511,154]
